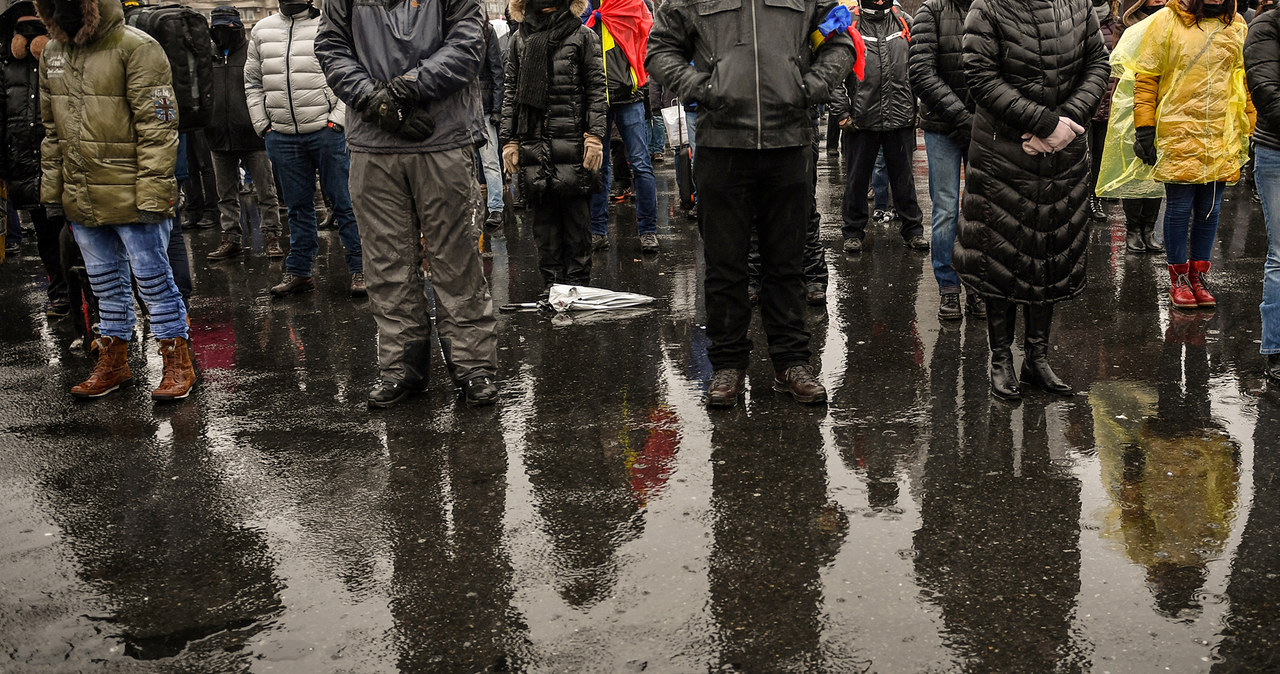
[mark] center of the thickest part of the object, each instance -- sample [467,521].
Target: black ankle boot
[417,363]
[1133,239]
[1035,366]
[1001,322]
[1149,239]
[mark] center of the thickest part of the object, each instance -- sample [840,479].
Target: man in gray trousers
[408,71]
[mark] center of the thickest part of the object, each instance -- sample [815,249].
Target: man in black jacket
[946,116]
[750,67]
[234,142]
[879,114]
[408,71]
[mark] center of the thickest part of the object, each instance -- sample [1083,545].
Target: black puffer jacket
[937,68]
[1262,68]
[230,127]
[491,76]
[23,129]
[551,159]
[882,100]
[754,74]
[1025,228]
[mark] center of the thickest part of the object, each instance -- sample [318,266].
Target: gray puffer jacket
[283,82]
[436,47]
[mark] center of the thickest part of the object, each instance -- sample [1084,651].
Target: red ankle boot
[1196,277]
[1180,286]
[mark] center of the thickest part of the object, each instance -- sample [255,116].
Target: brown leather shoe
[726,385]
[358,288]
[292,283]
[111,372]
[798,380]
[274,250]
[226,251]
[179,373]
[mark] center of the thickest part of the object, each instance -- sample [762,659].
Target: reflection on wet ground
[601,519]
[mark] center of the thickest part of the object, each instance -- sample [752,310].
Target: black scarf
[543,36]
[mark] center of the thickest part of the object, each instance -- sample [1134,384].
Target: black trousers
[1097,138]
[768,191]
[201,184]
[1141,213]
[833,133]
[48,231]
[861,148]
[562,228]
[815,256]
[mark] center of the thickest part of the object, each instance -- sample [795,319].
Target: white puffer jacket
[283,82]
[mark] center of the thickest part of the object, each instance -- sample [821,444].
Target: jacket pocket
[709,7]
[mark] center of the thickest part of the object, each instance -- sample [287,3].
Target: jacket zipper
[288,76]
[755,44]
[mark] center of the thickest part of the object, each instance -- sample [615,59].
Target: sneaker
[658,157]
[274,249]
[883,215]
[494,220]
[59,307]
[622,194]
[918,242]
[800,382]
[357,285]
[975,306]
[226,251]
[480,390]
[291,284]
[852,245]
[949,307]
[12,248]
[599,241]
[649,243]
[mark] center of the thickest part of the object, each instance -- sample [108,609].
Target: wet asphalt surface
[599,518]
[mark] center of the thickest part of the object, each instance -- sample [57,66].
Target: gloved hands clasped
[392,108]
[1062,135]
[1144,147]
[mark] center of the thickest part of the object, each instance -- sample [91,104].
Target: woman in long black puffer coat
[1037,70]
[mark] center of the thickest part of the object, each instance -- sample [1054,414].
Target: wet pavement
[600,519]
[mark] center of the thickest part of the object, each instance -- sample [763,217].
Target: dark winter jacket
[754,74]
[551,159]
[620,81]
[1110,34]
[1262,69]
[882,100]
[21,125]
[1025,228]
[937,68]
[435,46]
[230,126]
[491,76]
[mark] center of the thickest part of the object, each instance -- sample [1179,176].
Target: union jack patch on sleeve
[166,110]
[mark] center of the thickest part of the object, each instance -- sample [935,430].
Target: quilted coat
[283,82]
[22,128]
[937,68]
[1025,228]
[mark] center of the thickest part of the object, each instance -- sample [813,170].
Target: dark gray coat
[882,100]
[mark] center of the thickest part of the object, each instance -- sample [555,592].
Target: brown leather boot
[111,372]
[799,381]
[274,250]
[179,373]
[726,385]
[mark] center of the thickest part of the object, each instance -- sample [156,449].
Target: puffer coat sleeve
[1025,231]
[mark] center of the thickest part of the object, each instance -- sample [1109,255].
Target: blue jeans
[657,134]
[635,136]
[296,158]
[945,159]
[880,183]
[492,168]
[1266,170]
[1193,207]
[116,254]
[691,119]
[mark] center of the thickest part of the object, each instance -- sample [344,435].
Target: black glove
[150,217]
[403,91]
[1145,146]
[381,109]
[418,125]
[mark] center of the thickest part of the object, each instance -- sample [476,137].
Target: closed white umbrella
[585,298]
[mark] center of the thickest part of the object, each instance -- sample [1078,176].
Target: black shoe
[949,307]
[599,241]
[1035,366]
[292,284]
[494,220]
[388,393]
[816,297]
[852,245]
[1095,209]
[649,243]
[208,219]
[975,306]
[1273,366]
[918,242]
[480,390]
[59,307]
[1001,322]
[226,251]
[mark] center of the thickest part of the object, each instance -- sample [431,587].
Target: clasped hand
[1062,135]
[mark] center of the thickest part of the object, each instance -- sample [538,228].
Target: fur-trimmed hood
[516,9]
[100,16]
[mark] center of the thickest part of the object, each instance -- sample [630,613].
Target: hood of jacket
[9,17]
[516,11]
[100,16]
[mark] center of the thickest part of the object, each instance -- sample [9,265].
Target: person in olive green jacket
[108,157]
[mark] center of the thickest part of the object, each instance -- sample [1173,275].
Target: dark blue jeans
[296,159]
[634,129]
[1191,209]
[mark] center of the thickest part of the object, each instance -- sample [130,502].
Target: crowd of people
[390,114]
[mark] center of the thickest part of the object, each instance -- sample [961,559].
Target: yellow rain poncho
[1188,82]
